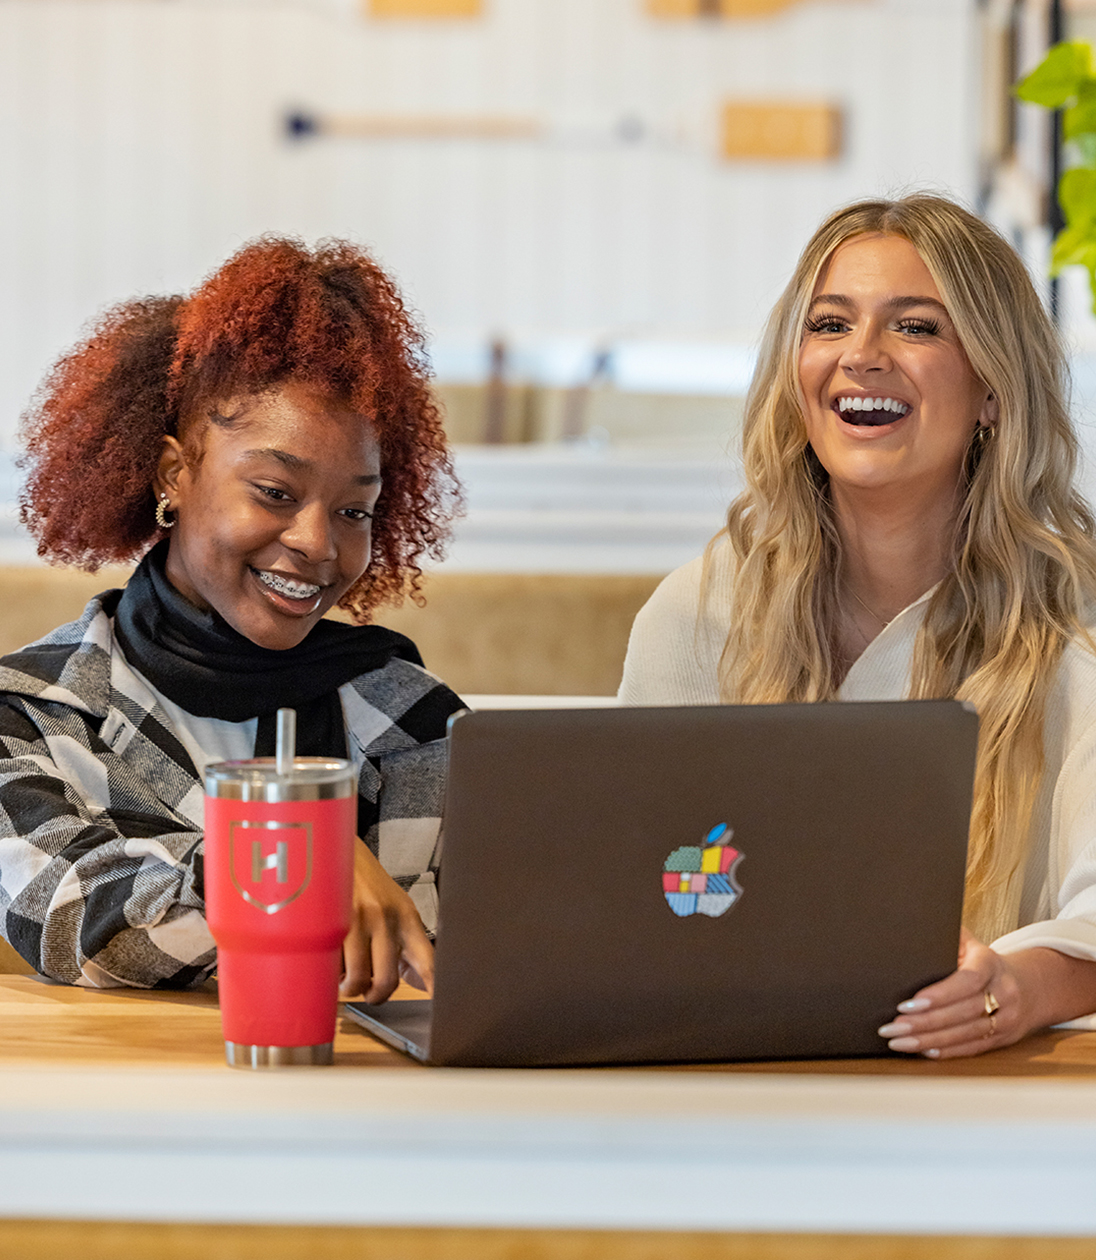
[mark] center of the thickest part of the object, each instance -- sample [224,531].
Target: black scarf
[209,669]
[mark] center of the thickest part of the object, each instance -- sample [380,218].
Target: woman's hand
[992,1000]
[386,941]
[953,1017]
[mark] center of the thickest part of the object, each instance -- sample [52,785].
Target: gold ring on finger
[992,1006]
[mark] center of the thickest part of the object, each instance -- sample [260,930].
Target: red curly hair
[276,312]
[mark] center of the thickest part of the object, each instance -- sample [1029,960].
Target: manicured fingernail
[898,1029]
[932,1054]
[913,1005]
[904,1044]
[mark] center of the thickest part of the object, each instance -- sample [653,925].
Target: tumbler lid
[310,779]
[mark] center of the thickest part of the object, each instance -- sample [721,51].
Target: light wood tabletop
[123,1134]
[42,1022]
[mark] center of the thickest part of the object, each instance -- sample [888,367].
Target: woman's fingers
[371,953]
[966,1011]
[971,1037]
[359,954]
[417,958]
[386,938]
[960,1049]
[384,947]
[400,950]
[961,1029]
[357,963]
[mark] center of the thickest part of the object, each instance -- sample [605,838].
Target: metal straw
[285,741]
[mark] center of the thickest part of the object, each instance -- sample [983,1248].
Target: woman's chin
[267,628]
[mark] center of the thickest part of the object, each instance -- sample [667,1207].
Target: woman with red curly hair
[270,447]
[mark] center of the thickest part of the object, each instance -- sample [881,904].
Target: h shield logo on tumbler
[271,862]
[700,879]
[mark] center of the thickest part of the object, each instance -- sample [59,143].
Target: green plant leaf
[1058,78]
[1092,286]
[1080,119]
[1077,197]
[1083,150]
[1074,247]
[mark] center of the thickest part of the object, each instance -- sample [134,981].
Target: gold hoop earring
[983,435]
[163,506]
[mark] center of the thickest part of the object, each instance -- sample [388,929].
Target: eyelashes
[929,326]
[824,323]
[835,323]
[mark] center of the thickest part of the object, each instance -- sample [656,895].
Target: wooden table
[117,1107]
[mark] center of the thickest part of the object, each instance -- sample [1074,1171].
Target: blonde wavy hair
[1023,581]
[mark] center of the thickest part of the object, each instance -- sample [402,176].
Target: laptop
[684,885]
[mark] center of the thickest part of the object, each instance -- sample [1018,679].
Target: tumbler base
[241,1056]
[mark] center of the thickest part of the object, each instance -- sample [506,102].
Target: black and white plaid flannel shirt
[101,806]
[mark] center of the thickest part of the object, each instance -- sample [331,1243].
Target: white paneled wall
[141,141]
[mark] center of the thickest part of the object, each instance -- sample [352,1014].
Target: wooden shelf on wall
[780,131]
[716,8]
[416,126]
[422,8]
[777,130]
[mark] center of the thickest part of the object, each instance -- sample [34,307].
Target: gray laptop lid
[660,885]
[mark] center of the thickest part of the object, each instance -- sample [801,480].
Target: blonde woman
[910,528]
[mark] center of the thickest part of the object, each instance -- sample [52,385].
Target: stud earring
[163,506]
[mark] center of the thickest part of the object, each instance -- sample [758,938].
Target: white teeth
[284,586]
[857,403]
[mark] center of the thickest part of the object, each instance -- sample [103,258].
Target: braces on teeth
[294,590]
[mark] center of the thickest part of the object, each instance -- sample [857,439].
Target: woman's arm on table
[1043,972]
[1032,989]
[93,896]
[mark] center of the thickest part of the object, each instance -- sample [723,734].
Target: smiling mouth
[286,587]
[870,411]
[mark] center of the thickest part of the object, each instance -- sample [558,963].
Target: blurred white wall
[141,141]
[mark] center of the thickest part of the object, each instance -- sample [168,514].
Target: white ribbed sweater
[673,657]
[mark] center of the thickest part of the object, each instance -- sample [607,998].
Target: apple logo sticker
[699,879]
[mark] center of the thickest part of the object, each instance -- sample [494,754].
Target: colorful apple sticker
[700,879]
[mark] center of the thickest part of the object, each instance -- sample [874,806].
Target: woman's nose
[865,352]
[310,533]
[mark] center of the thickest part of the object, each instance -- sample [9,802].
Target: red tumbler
[279,862]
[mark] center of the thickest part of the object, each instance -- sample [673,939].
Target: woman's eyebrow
[831,299]
[900,303]
[301,465]
[894,303]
